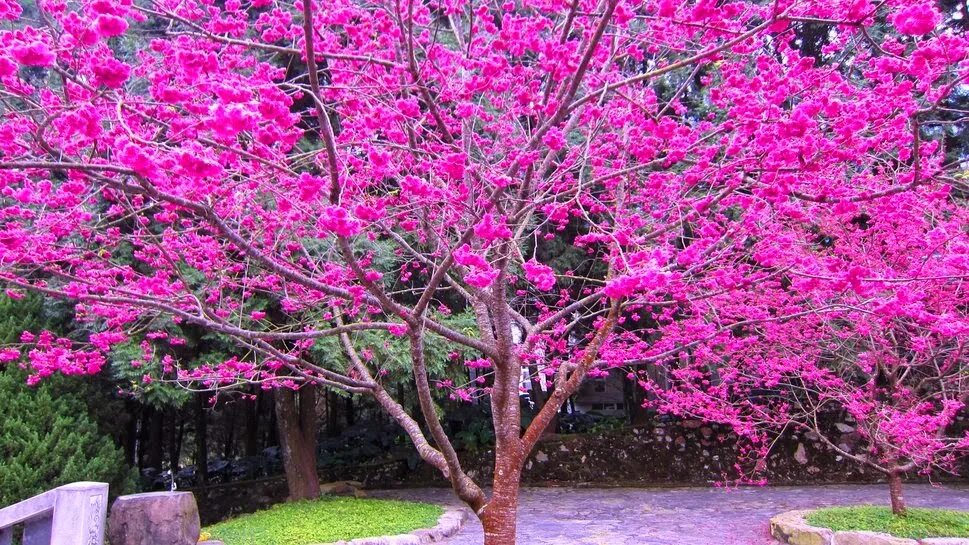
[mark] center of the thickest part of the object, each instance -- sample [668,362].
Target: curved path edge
[792,528]
[448,524]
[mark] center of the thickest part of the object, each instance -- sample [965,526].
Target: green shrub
[324,521]
[47,439]
[916,524]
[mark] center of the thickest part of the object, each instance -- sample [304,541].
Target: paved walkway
[681,516]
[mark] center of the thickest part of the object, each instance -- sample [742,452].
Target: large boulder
[156,518]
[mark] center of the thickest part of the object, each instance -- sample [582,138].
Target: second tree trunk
[296,419]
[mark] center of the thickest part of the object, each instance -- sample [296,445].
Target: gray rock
[870,538]
[844,428]
[800,455]
[157,518]
[343,488]
[791,528]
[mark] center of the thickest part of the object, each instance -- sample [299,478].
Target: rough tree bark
[201,442]
[895,491]
[173,440]
[154,446]
[296,419]
[252,423]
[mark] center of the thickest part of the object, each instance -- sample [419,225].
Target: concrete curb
[448,524]
[792,528]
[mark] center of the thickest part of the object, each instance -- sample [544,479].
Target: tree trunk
[153,447]
[230,428]
[499,518]
[296,418]
[540,398]
[632,398]
[129,437]
[895,490]
[252,424]
[333,428]
[201,442]
[351,417]
[272,431]
[172,440]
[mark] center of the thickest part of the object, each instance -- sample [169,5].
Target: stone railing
[73,514]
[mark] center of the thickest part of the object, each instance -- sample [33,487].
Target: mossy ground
[916,524]
[325,520]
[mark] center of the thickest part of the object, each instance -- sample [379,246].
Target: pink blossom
[111,73]
[138,159]
[481,278]
[414,186]
[628,284]
[491,229]
[230,120]
[916,20]
[465,256]
[336,220]
[479,363]
[110,25]
[33,54]
[9,354]
[554,139]
[103,341]
[453,165]
[368,212]
[542,276]
[198,167]
[10,9]
[16,295]
[7,67]
[309,186]
[409,107]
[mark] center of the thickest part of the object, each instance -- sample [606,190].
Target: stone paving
[675,516]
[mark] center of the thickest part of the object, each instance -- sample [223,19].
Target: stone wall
[670,454]
[678,453]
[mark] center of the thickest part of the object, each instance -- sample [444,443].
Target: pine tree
[48,439]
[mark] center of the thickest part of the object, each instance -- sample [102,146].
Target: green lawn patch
[916,524]
[325,520]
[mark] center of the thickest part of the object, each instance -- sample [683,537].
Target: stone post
[156,518]
[79,512]
[72,514]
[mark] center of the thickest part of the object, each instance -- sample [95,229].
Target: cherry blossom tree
[892,357]
[378,166]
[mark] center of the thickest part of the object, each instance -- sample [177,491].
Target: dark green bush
[48,439]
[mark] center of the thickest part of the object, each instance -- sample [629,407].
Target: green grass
[325,520]
[916,524]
